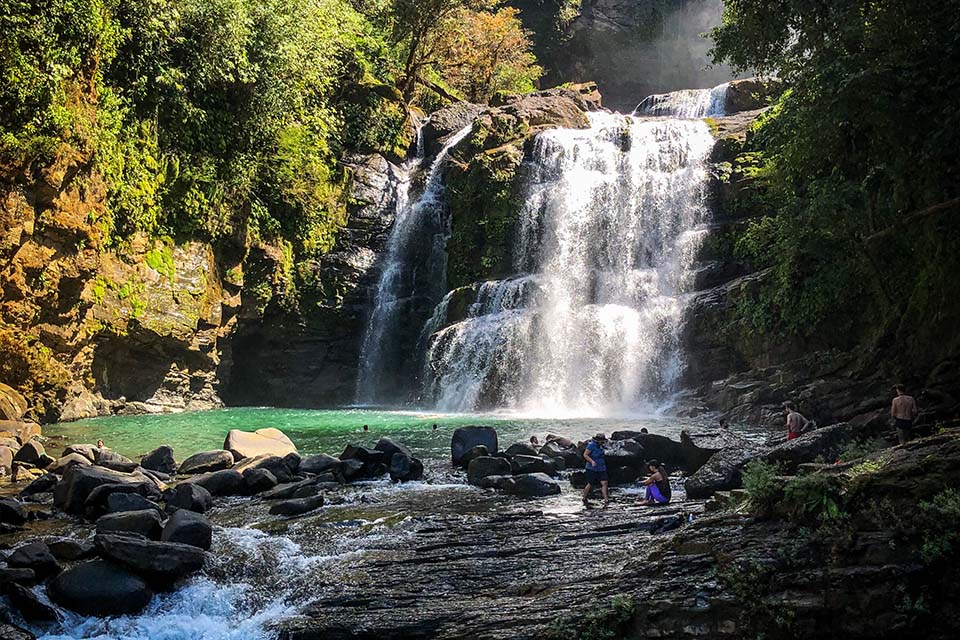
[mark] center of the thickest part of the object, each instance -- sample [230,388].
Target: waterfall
[689,103]
[612,220]
[412,276]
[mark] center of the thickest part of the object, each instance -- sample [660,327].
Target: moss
[483,203]
[160,259]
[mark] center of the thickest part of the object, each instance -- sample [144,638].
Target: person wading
[904,411]
[796,423]
[596,468]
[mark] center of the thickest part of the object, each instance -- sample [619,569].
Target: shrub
[761,483]
[939,522]
[859,448]
[813,498]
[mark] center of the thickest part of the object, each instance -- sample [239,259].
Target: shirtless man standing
[904,411]
[796,423]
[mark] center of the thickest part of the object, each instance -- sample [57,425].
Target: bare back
[904,407]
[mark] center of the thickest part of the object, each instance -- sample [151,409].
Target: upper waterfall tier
[687,103]
[606,237]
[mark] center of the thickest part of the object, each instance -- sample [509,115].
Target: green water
[329,431]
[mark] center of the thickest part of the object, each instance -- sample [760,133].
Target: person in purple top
[596,468]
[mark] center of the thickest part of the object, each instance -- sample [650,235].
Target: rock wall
[88,329]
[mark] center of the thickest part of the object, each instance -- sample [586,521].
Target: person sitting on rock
[796,423]
[658,485]
[535,441]
[596,469]
[904,412]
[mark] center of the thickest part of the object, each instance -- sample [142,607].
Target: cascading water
[412,276]
[689,103]
[611,225]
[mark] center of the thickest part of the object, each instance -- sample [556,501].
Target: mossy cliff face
[485,176]
[85,326]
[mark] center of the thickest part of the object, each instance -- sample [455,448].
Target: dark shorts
[594,477]
[902,423]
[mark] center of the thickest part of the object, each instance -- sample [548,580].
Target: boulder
[43,484]
[226,482]
[826,443]
[485,466]
[146,522]
[520,464]
[88,451]
[500,483]
[319,463]
[120,502]
[11,632]
[466,438]
[626,462]
[522,449]
[533,485]
[45,461]
[113,460]
[190,496]
[12,512]
[292,461]
[100,588]
[6,459]
[35,556]
[661,448]
[365,455]
[287,490]
[474,452]
[258,480]
[696,447]
[97,502]
[60,464]
[79,481]
[20,576]
[188,527]
[297,506]
[245,444]
[158,562]
[207,461]
[30,452]
[276,465]
[722,472]
[70,550]
[404,468]
[351,469]
[29,605]
[389,447]
[160,459]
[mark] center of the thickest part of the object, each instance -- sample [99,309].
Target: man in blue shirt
[596,468]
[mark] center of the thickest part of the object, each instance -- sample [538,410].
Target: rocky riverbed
[256,541]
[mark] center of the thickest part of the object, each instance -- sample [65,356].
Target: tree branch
[916,216]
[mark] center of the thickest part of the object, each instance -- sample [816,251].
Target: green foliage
[160,259]
[939,525]
[601,623]
[856,449]
[865,137]
[750,583]
[814,498]
[761,484]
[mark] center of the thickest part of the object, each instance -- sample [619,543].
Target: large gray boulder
[29,605]
[276,465]
[188,527]
[258,480]
[79,482]
[404,468]
[112,460]
[30,452]
[35,556]
[722,472]
[442,124]
[466,438]
[100,588]
[320,463]
[157,562]
[826,443]
[534,485]
[146,522]
[522,449]
[160,459]
[521,464]
[207,461]
[485,466]
[297,506]
[97,503]
[190,496]
[120,502]
[12,512]
[226,482]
